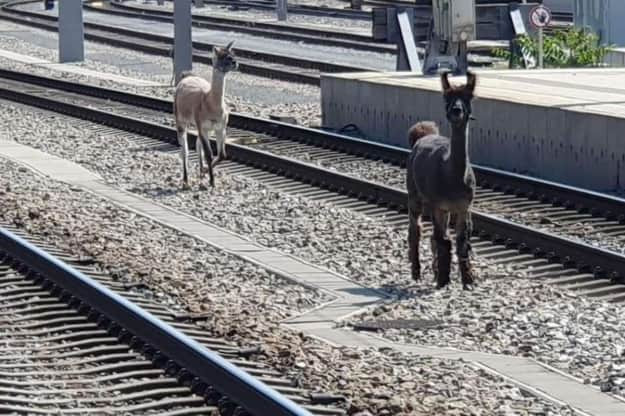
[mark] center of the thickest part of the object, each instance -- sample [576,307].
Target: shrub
[571,47]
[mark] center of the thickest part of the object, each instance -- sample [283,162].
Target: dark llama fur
[440,181]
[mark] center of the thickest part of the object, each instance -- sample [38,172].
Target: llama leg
[198,150]
[414,235]
[443,247]
[464,229]
[220,135]
[208,152]
[184,152]
[433,245]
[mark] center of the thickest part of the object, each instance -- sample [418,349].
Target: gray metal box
[604,17]
[455,19]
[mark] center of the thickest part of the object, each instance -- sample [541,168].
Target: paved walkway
[536,378]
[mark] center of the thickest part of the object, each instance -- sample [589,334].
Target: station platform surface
[564,125]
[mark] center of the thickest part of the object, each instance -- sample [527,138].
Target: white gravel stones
[346,242]
[513,316]
[245,93]
[187,272]
[245,303]
[359,26]
[586,232]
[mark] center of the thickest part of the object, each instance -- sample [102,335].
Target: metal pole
[540,48]
[281,9]
[183,46]
[71,31]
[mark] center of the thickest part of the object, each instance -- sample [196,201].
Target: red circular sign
[540,16]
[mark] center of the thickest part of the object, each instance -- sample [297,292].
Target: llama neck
[460,149]
[218,85]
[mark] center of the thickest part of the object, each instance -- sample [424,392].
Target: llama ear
[471,81]
[229,45]
[445,81]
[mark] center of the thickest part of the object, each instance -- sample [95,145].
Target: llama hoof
[203,187]
[441,285]
[416,274]
[468,287]
[186,186]
[216,161]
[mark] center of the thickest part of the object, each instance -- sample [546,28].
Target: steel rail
[228,379]
[298,9]
[251,62]
[556,248]
[598,204]
[200,46]
[276,31]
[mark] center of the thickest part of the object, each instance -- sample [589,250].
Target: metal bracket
[519,29]
[407,55]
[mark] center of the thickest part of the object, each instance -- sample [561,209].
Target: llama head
[224,59]
[458,99]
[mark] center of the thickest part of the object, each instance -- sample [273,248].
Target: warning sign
[540,16]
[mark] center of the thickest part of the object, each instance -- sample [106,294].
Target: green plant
[571,47]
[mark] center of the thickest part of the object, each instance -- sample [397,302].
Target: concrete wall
[615,57]
[573,147]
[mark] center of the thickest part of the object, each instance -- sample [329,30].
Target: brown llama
[201,103]
[440,181]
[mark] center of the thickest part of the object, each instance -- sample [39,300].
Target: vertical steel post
[281,9]
[183,46]
[71,31]
[541,52]
[407,56]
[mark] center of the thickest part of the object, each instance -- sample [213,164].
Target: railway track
[262,64]
[269,65]
[547,254]
[273,30]
[73,345]
[289,32]
[304,9]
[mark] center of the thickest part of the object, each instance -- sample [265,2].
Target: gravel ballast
[394,176]
[359,26]
[244,93]
[342,240]
[298,49]
[244,304]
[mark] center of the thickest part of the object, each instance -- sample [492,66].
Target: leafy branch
[571,47]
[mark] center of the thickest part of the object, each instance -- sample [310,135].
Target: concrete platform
[615,57]
[564,125]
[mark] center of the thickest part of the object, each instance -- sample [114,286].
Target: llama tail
[420,130]
[185,74]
